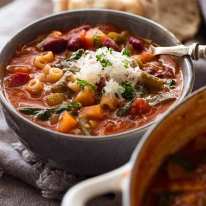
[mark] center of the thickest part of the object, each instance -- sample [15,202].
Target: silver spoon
[195,51]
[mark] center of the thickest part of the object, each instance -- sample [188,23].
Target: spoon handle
[195,51]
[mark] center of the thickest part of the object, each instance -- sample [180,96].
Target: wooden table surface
[13,16]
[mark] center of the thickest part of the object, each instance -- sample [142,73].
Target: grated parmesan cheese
[112,65]
[90,69]
[113,88]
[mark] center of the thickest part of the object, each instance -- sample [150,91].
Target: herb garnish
[83,83]
[103,60]
[125,63]
[126,52]
[129,91]
[110,50]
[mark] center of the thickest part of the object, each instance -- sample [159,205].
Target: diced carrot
[93,37]
[92,112]
[86,97]
[66,122]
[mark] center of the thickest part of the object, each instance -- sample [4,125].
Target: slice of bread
[60,5]
[182,17]
[124,5]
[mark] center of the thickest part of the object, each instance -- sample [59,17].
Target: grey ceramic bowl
[84,155]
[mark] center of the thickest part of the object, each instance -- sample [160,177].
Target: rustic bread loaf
[128,5]
[182,17]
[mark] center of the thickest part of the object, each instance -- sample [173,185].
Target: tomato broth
[92,80]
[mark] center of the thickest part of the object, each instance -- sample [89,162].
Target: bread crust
[180,17]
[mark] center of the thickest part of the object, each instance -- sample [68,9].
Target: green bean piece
[151,82]
[114,36]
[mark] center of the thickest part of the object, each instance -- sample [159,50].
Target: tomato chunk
[18,79]
[140,106]
[94,38]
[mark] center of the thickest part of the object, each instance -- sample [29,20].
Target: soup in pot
[181,179]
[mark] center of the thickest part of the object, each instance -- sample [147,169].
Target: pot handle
[109,182]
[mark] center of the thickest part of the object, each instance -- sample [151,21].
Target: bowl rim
[6,103]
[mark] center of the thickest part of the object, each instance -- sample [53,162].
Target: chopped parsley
[103,60]
[110,50]
[129,91]
[126,52]
[83,83]
[126,63]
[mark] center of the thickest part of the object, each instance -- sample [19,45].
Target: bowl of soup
[166,168]
[86,82]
